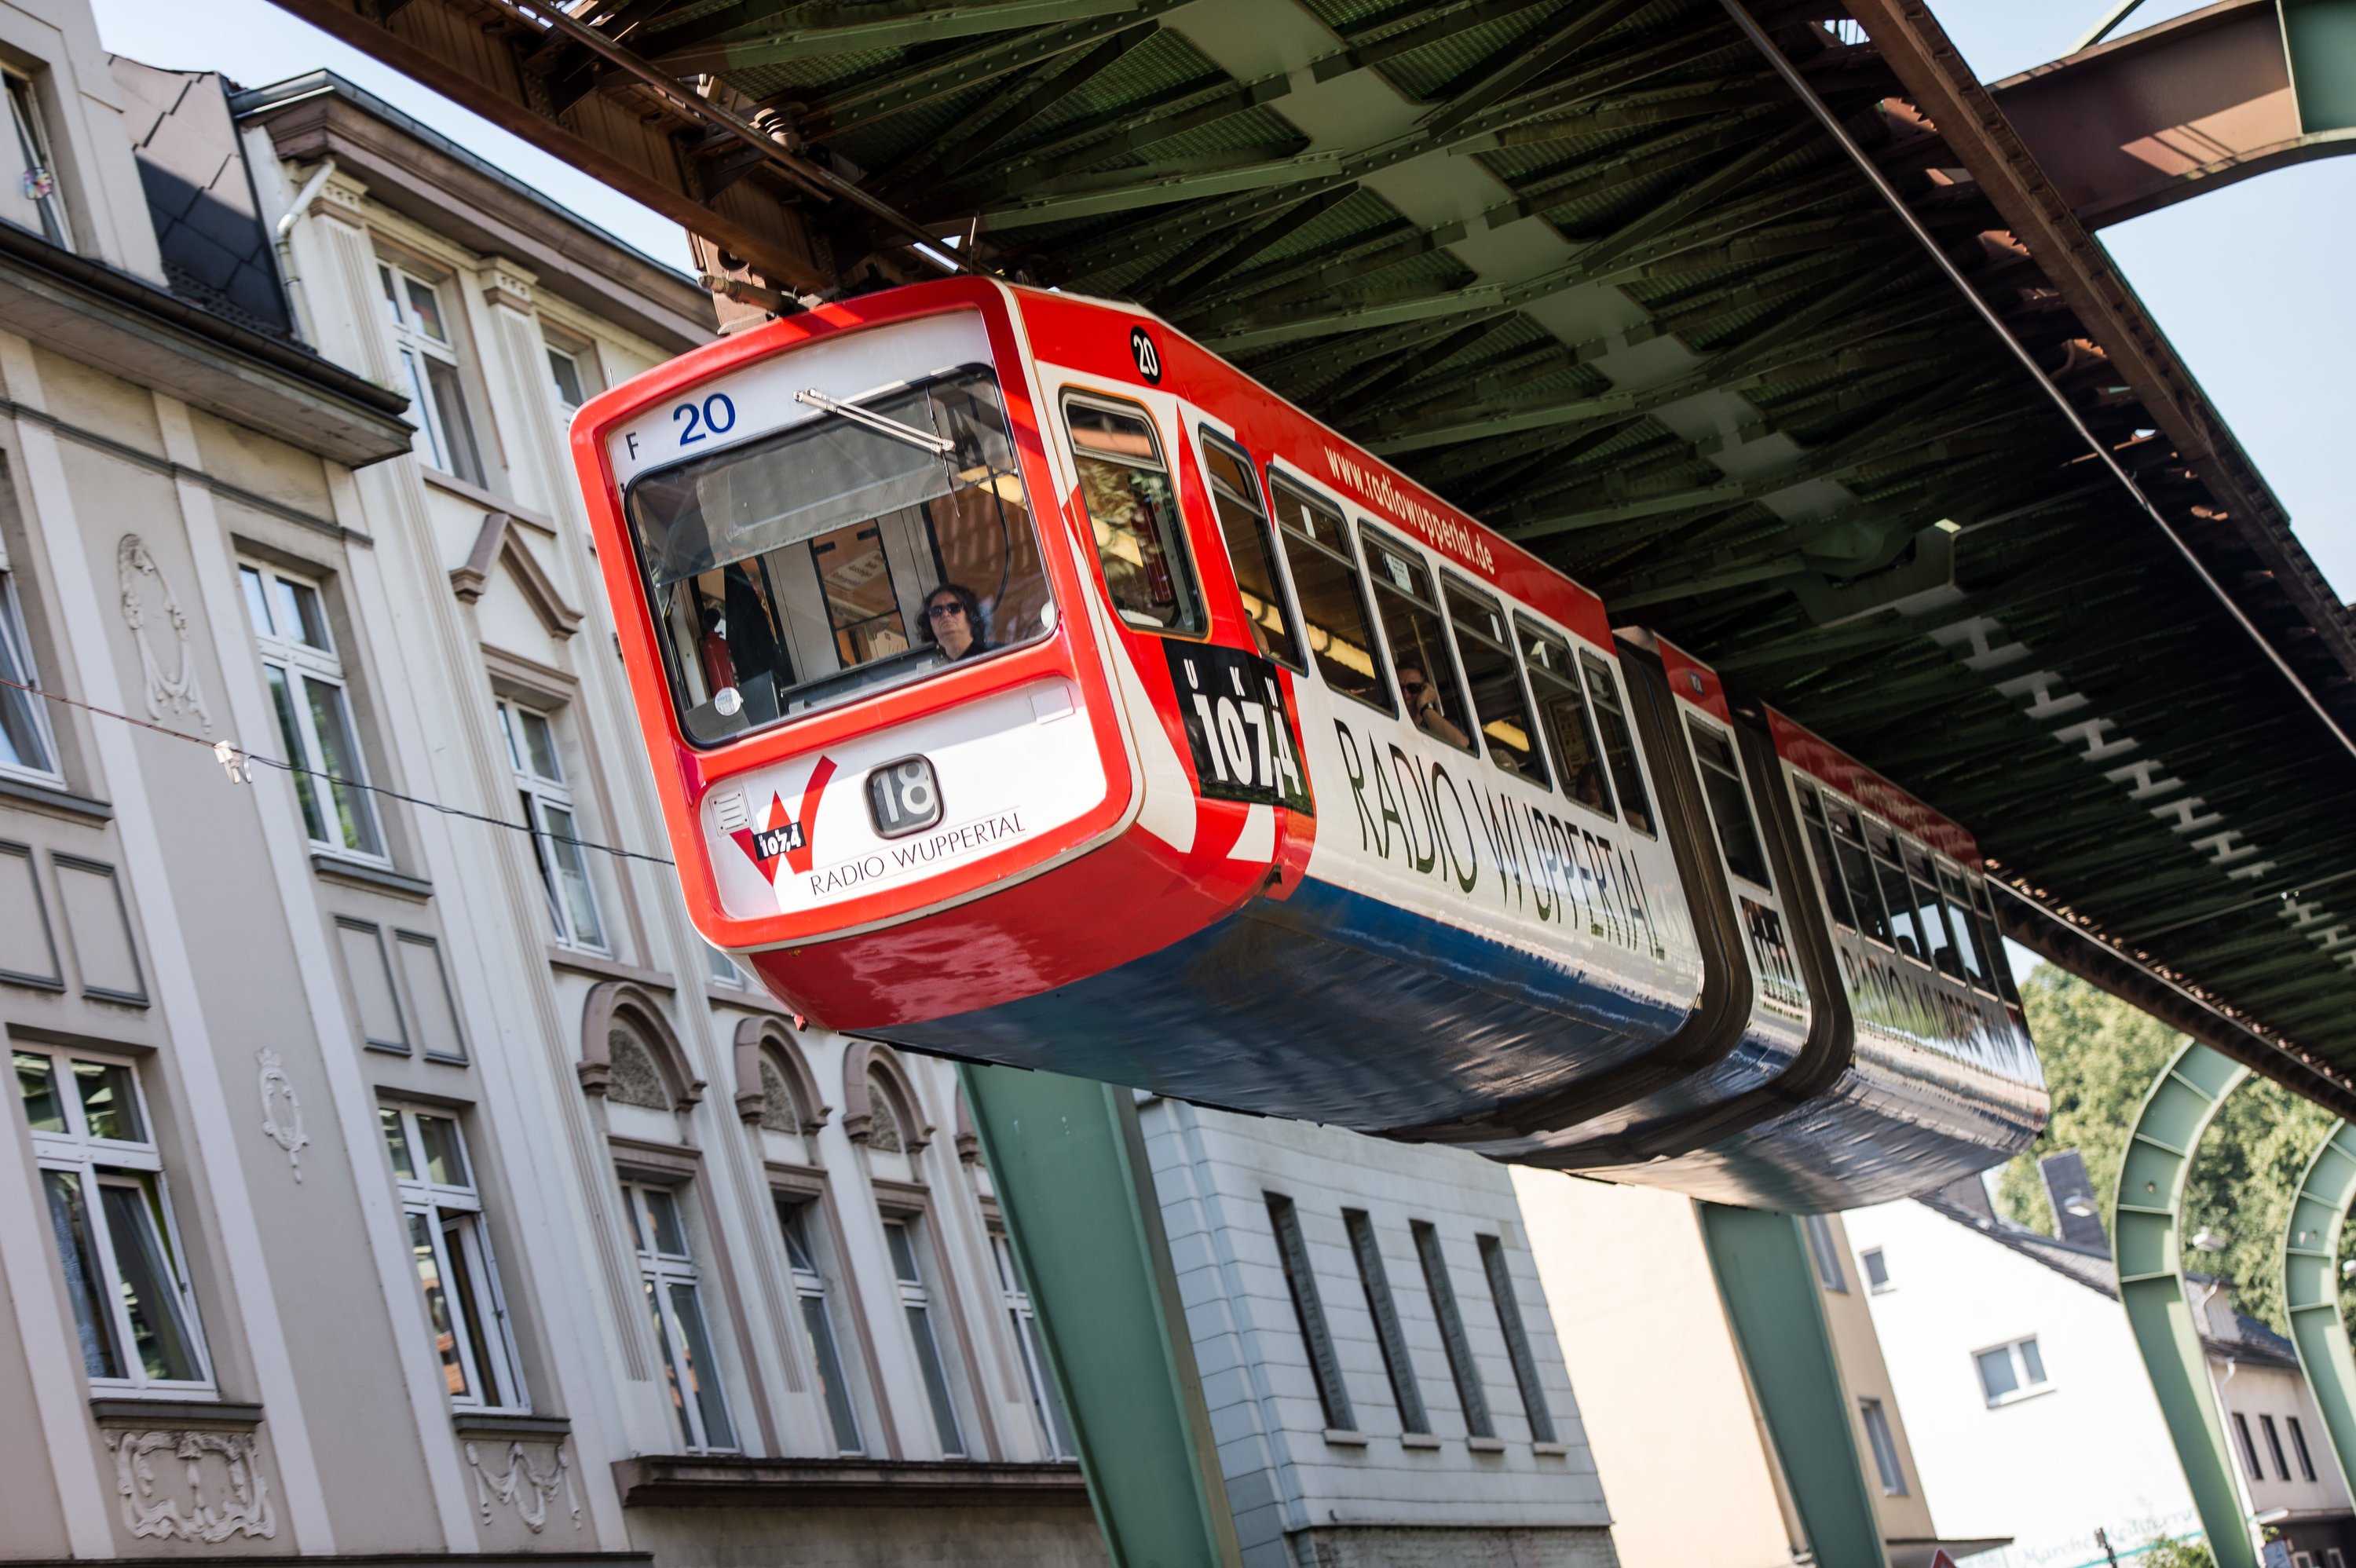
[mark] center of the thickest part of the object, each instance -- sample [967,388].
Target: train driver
[1423,706]
[953,622]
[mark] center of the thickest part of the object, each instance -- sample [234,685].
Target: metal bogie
[1027,684]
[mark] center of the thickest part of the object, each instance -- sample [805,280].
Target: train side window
[1992,943]
[1141,538]
[1341,631]
[1959,922]
[1485,643]
[1235,497]
[1857,872]
[1820,851]
[1729,804]
[1619,743]
[1896,896]
[1419,655]
[1932,918]
[1563,715]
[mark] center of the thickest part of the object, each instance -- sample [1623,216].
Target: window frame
[1464,1367]
[1309,1313]
[1187,576]
[1825,1252]
[1883,1439]
[916,1296]
[1056,1428]
[1541,773]
[16,643]
[1873,1262]
[659,1273]
[1699,729]
[1372,536]
[807,1260]
[1306,493]
[416,350]
[28,124]
[421,1196]
[100,1162]
[1598,671]
[2024,1386]
[1208,440]
[540,794]
[2298,1445]
[299,664]
[2257,1470]
[1507,1302]
[1390,1335]
[2275,1445]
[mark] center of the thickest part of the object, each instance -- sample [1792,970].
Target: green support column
[2311,1289]
[1068,1161]
[2144,1223]
[1772,1301]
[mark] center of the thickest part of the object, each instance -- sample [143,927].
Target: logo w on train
[777,836]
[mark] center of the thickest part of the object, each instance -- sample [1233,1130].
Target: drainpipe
[283,241]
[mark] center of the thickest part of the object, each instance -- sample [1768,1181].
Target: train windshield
[872,546]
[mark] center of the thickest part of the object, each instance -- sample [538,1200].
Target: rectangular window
[1825,1248]
[1930,917]
[568,373]
[556,840]
[1959,924]
[1619,743]
[2298,1446]
[800,1222]
[1419,655]
[1141,537]
[2249,1447]
[674,1291]
[1877,1269]
[111,1214]
[1047,1399]
[33,200]
[1452,1338]
[429,371]
[1309,1312]
[1896,894]
[1334,611]
[1729,803]
[315,716]
[2012,1371]
[1517,1337]
[1398,1365]
[442,1213]
[751,635]
[1251,549]
[1485,645]
[2274,1447]
[1820,855]
[916,1302]
[1857,871]
[1564,716]
[1884,1443]
[26,745]
[1991,943]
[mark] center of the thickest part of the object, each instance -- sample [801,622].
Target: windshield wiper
[937,445]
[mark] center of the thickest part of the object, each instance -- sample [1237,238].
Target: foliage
[2189,1551]
[2101,1057]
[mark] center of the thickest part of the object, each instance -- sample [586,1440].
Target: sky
[2250,283]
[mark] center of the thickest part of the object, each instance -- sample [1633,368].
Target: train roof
[1829,766]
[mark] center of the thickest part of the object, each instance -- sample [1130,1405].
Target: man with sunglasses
[1423,707]
[953,622]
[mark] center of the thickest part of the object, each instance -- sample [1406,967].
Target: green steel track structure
[2311,1289]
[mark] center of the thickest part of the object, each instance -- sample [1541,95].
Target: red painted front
[1826,762]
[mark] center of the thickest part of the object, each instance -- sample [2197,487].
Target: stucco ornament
[140,578]
[530,1492]
[153,1507]
[283,1127]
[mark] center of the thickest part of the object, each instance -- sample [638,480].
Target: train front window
[1563,715]
[1485,645]
[1419,655]
[1332,600]
[1236,497]
[1729,805]
[1139,536]
[795,570]
[1619,743]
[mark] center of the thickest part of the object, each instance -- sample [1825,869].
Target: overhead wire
[233,756]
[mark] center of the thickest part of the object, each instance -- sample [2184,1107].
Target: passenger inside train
[786,572]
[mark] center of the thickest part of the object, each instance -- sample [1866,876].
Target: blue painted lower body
[1329,1005]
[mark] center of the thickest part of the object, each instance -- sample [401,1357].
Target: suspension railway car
[1026,684]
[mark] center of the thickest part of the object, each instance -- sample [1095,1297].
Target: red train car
[1026,684]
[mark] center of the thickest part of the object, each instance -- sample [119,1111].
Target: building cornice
[730,1481]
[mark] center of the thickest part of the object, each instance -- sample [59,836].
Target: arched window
[779,1112]
[880,1106]
[635,1080]
[883,1118]
[775,1090]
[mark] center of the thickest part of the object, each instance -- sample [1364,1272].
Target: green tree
[2101,1057]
